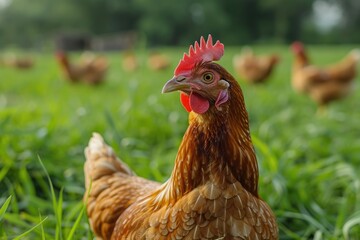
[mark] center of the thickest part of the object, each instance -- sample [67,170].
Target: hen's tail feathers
[356,54]
[101,160]
[107,182]
[111,187]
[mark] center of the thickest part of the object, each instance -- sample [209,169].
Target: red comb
[204,52]
[297,46]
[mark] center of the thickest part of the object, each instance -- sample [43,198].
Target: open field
[309,164]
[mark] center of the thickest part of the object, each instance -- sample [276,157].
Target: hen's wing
[208,212]
[307,77]
[329,92]
[345,70]
[111,187]
[215,212]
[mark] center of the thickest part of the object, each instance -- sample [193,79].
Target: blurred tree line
[34,23]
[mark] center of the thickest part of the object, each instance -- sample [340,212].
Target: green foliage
[172,22]
[22,25]
[309,167]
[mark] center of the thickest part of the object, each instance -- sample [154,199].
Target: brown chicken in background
[157,61]
[90,69]
[14,61]
[130,62]
[212,192]
[252,68]
[323,84]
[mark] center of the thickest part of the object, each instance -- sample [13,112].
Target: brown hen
[158,61]
[326,84]
[14,61]
[212,192]
[90,69]
[130,62]
[252,68]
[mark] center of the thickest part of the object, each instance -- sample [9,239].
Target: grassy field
[309,164]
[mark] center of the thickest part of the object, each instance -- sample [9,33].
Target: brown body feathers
[212,192]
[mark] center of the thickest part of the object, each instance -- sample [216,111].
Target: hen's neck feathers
[216,148]
[301,59]
[65,64]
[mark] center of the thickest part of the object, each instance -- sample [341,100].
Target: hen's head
[203,83]
[61,57]
[301,57]
[297,47]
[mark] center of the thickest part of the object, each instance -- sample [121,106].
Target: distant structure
[81,42]
[119,41]
[72,42]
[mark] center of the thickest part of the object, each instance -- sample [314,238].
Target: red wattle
[185,101]
[198,104]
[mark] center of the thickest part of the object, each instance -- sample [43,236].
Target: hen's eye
[208,77]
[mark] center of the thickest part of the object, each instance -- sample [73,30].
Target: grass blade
[76,224]
[354,221]
[59,212]
[30,230]
[42,229]
[4,207]
[270,158]
[111,122]
[312,221]
[56,206]
[4,171]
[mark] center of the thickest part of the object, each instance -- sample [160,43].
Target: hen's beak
[175,84]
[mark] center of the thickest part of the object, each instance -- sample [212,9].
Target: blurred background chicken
[212,192]
[130,62]
[90,68]
[252,68]
[323,84]
[157,61]
[15,61]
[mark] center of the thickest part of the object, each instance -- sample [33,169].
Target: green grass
[309,164]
